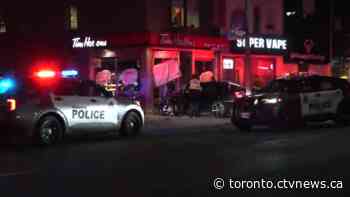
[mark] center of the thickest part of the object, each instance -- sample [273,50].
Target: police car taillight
[239,94]
[12,104]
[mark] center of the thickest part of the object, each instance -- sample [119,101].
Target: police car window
[66,89]
[89,88]
[307,86]
[86,89]
[275,86]
[342,84]
[269,87]
[326,85]
[103,91]
[293,86]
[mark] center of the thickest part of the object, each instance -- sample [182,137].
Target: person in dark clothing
[194,96]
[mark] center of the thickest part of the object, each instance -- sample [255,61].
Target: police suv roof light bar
[46,74]
[69,73]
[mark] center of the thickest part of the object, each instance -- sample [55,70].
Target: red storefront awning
[167,39]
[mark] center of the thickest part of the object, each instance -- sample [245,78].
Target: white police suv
[292,102]
[52,105]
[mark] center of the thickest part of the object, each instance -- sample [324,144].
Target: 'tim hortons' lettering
[88,43]
[263,43]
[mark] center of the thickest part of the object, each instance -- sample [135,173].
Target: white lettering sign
[228,63]
[263,43]
[87,42]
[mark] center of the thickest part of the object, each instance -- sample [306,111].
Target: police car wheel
[131,124]
[243,126]
[218,109]
[238,122]
[50,131]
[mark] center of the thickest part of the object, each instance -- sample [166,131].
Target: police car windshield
[282,85]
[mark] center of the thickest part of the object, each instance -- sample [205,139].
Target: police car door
[331,96]
[105,114]
[97,113]
[71,98]
[310,98]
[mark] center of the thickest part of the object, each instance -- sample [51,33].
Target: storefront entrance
[263,71]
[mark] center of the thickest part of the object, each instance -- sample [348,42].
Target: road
[178,157]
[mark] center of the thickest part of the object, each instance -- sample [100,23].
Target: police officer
[195,90]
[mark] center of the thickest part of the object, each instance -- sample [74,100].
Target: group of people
[195,91]
[191,98]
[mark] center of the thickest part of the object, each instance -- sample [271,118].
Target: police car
[294,101]
[52,105]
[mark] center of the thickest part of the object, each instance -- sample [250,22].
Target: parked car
[218,97]
[291,102]
[49,107]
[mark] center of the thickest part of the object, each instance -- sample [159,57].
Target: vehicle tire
[242,125]
[131,125]
[218,109]
[287,121]
[49,131]
[343,115]
[228,110]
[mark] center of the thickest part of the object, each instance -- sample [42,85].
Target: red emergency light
[46,74]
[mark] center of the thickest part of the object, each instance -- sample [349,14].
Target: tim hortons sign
[87,42]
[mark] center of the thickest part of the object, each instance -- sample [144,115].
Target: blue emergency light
[69,73]
[6,84]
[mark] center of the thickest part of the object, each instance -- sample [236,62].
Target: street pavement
[179,156]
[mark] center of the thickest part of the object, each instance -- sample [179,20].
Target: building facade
[143,35]
[307,26]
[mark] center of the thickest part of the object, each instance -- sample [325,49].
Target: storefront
[266,59]
[159,59]
[308,57]
[153,61]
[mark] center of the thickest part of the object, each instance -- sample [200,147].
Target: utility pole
[247,59]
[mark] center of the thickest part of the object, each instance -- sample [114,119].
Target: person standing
[207,75]
[195,90]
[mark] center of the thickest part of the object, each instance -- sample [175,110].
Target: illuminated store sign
[87,42]
[263,43]
[228,63]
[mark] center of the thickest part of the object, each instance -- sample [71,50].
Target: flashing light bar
[46,74]
[6,84]
[70,73]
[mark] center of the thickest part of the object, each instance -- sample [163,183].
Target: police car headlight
[256,101]
[271,100]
